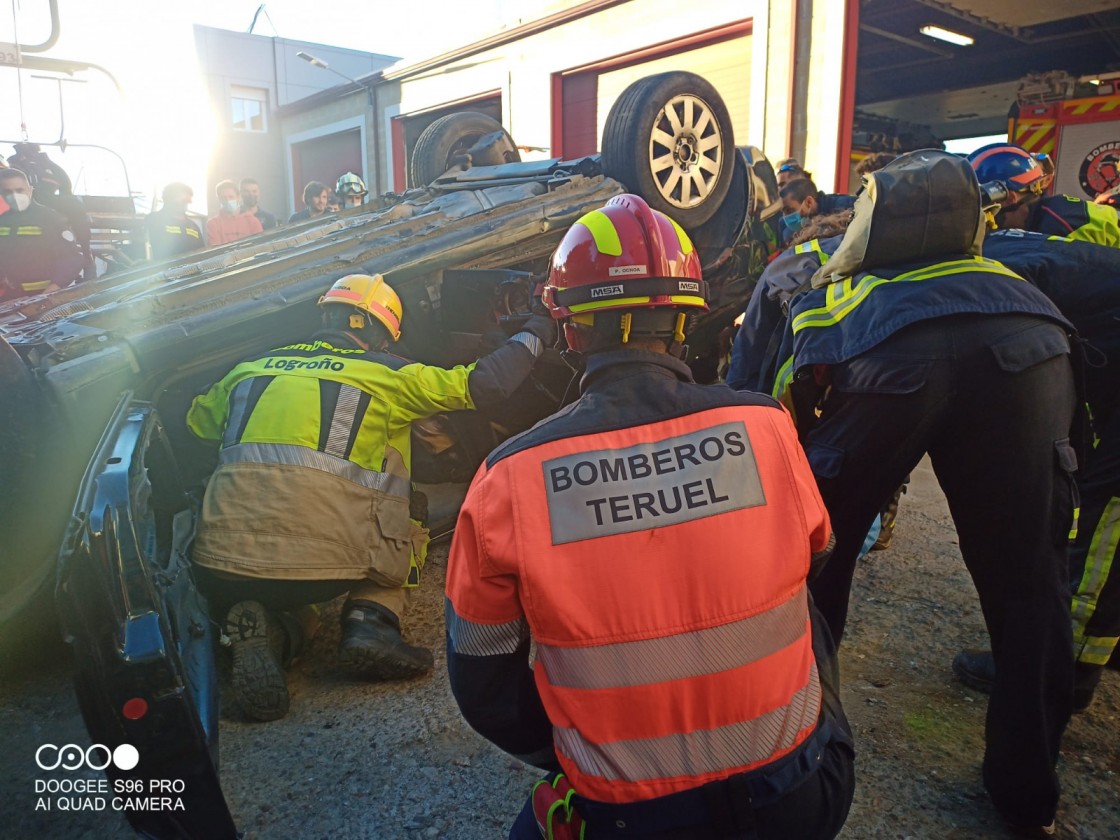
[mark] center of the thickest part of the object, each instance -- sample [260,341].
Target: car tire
[668,138]
[438,144]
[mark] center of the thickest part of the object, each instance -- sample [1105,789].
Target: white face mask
[18,201]
[230,206]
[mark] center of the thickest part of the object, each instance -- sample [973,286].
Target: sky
[160,122]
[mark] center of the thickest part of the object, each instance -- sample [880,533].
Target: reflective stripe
[587,307]
[473,639]
[680,656]
[1094,650]
[238,405]
[390,317]
[345,410]
[178,230]
[35,285]
[29,230]
[1098,564]
[843,298]
[534,344]
[688,300]
[783,379]
[700,751]
[287,454]
[813,245]
[603,232]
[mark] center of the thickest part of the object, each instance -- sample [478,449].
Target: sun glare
[156,128]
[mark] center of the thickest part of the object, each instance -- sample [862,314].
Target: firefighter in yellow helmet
[310,498]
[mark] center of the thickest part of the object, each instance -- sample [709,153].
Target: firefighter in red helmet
[679,690]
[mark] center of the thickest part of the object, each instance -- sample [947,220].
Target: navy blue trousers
[991,399]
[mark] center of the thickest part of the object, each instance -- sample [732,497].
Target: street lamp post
[318,62]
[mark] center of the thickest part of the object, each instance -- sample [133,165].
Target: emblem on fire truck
[1100,170]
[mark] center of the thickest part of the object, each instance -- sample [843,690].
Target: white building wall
[522,70]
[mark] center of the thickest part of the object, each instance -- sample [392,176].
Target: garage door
[588,95]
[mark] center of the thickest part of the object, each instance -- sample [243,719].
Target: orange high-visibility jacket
[655,540]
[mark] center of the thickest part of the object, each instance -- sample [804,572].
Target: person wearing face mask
[231,223]
[171,231]
[38,251]
[802,200]
[250,203]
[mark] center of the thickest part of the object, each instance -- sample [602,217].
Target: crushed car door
[142,640]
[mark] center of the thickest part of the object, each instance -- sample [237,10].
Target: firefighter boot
[976,669]
[372,646]
[257,642]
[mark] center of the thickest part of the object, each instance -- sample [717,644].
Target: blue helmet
[1014,166]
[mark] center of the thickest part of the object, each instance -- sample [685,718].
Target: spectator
[171,231]
[874,162]
[315,196]
[802,200]
[790,169]
[38,251]
[250,203]
[231,223]
[334,203]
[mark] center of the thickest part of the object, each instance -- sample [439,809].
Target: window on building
[250,108]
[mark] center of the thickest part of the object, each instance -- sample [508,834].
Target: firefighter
[38,250]
[654,539]
[911,342]
[1027,208]
[171,231]
[1083,279]
[310,499]
[352,190]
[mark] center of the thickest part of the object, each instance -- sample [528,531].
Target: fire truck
[1077,123]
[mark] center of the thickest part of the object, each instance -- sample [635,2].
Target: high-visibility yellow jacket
[1073,218]
[313,478]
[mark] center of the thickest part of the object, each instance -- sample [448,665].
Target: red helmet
[624,256]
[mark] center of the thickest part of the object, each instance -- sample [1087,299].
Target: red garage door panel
[581,95]
[324,159]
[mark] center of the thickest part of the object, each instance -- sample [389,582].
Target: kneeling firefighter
[310,499]
[681,689]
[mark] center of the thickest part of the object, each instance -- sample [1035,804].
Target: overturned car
[103,480]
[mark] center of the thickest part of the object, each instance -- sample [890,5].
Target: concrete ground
[396,760]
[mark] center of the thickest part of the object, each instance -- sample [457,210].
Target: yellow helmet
[368,293]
